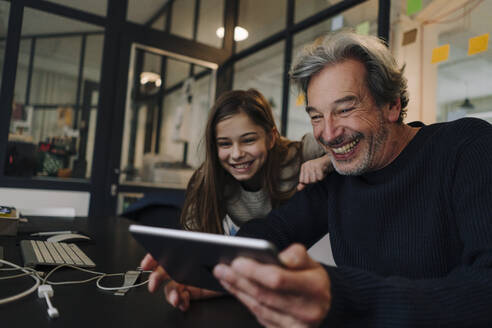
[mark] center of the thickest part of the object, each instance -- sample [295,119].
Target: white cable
[45,280]
[98,284]
[38,280]
[24,293]
[99,276]
[17,275]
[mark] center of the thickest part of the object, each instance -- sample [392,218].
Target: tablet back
[189,257]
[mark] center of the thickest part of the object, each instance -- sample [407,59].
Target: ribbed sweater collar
[402,159]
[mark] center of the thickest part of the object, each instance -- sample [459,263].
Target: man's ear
[393,111]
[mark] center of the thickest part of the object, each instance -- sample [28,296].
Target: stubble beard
[364,164]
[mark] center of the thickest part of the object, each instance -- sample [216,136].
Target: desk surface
[113,250]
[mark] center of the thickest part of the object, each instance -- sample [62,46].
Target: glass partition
[98,7]
[182,18]
[263,71]
[211,19]
[464,80]
[4,22]
[448,63]
[141,11]
[260,19]
[306,8]
[166,110]
[362,18]
[54,107]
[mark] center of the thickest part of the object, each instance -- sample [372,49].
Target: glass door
[167,102]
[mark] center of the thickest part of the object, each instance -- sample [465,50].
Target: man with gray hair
[408,208]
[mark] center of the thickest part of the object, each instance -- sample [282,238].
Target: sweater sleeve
[311,149]
[463,297]
[301,220]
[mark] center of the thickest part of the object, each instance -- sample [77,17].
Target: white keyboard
[38,252]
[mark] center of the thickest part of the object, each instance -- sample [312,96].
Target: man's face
[346,120]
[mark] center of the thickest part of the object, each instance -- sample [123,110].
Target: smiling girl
[249,168]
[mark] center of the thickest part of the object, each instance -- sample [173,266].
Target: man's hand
[295,296]
[314,170]
[178,295]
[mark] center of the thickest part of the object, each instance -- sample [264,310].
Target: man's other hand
[297,295]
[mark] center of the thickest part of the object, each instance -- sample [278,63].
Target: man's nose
[331,131]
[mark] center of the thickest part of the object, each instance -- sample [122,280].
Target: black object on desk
[83,305]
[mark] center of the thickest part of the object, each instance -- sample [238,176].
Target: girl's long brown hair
[204,206]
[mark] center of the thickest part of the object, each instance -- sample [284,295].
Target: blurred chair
[157,209]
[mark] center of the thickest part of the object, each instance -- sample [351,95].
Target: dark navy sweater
[412,241]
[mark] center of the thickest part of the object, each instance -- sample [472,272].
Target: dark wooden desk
[113,250]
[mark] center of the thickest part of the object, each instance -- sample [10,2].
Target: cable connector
[130,279]
[46,291]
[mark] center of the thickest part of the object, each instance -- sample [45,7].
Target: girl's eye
[223,144]
[249,140]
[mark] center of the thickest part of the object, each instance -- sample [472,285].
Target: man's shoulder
[463,129]
[463,124]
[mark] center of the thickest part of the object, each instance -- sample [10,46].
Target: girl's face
[242,147]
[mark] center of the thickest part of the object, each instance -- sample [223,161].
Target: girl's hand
[314,170]
[179,295]
[158,274]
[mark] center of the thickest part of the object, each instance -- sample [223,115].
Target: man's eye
[346,110]
[316,118]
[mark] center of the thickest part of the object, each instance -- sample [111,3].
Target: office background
[104,101]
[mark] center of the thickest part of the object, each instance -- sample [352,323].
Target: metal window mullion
[80,79]
[8,76]
[384,17]
[287,62]
[30,70]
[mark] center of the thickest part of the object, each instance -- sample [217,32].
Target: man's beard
[363,160]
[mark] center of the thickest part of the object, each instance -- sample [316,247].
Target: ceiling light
[150,77]
[240,33]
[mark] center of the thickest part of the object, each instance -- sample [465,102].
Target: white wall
[28,199]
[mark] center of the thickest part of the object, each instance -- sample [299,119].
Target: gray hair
[384,78]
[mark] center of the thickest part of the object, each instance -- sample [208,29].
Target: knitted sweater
[247,205]
[412,241]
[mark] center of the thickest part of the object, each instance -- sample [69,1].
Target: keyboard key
[72,255]
[44,252]
[63,254]
[81,255]
[53,252]
[36,251]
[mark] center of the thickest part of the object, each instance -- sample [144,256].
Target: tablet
[189,257]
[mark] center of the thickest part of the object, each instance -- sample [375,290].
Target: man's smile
[347,148]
